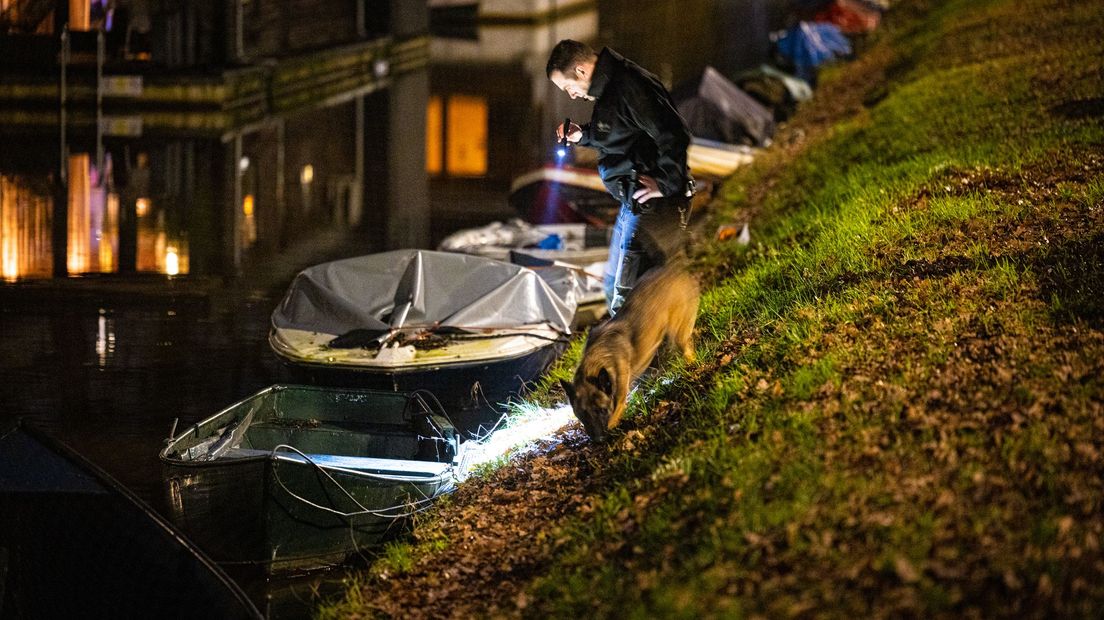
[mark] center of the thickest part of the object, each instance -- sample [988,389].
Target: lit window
[434,135]
[466,145]
[172,261]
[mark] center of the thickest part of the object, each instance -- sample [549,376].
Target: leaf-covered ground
[898,408]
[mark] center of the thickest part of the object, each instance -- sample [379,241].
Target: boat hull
[74,543]
[553,195]
[564,195]
[475,394]
[244,513]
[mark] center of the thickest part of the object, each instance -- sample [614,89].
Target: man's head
[571,67]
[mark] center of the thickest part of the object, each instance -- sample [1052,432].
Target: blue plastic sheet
[811,44]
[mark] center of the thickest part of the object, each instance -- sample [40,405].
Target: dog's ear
[568,389]
[604,381]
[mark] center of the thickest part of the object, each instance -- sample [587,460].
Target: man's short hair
[566,55]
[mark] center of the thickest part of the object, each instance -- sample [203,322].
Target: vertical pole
[100,50]
[233,44]
[356,197]
[239,29]
[408,213]
[281,181]
[407,186]
[237,235]
[63,92]
[60,232]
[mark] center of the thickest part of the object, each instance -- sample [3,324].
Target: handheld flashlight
[561,152]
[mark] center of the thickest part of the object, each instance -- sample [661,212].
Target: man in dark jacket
[641,142]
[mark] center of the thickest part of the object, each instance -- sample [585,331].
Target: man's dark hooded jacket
[635,125]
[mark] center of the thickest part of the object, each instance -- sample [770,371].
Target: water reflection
[92,217]
[105,339]
[182,205]
[24,230]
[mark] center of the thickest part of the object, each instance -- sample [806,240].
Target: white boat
[578,244]
[575,194]
[716,160]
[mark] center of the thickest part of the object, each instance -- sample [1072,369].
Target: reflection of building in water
[195,33]
[25,230]
[228,131]
[92,218]
[208,203]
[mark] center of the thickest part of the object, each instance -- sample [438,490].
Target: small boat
[477,330]
[781,92]
[852,17]
[74,543]
[577,244]
[711,161]
[581,247]
[295,478]
[557,194]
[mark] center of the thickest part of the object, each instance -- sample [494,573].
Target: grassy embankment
[899,403]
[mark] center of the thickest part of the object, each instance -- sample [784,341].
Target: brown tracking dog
[663,304]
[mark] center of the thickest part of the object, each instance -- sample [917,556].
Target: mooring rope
[384,513]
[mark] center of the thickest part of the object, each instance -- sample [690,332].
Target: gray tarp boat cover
[411,288]
[716,109]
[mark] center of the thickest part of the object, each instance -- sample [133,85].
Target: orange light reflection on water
[92,227]
[25,231]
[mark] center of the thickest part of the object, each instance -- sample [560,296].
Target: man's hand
[574,134]
[648,189]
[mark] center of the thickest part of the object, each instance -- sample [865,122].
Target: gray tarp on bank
[452,290]
[716,109]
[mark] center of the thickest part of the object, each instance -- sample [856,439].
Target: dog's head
[592,400]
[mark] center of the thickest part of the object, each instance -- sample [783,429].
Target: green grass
[842,215]
[897,408]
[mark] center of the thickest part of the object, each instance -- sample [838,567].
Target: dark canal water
[150,302]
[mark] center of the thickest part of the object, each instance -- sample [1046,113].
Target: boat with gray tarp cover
[475,329]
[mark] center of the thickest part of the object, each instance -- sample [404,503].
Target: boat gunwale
[131,500]
[457,362]
[172,443]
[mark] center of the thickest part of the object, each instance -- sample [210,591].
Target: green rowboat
[295,478]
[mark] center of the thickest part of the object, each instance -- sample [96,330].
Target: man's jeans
[624,258]
[637,245]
